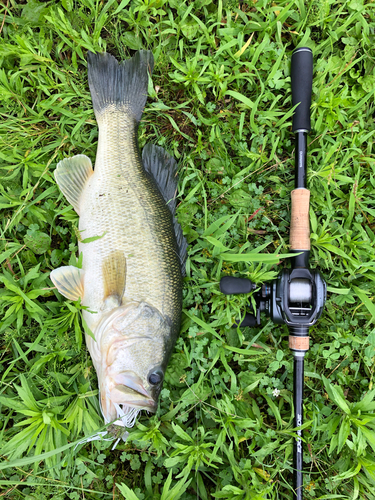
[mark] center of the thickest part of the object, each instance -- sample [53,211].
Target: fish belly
[123,206]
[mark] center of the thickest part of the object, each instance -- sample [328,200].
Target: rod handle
[299,221]
[301,76]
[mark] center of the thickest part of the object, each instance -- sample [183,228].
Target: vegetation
[220,102]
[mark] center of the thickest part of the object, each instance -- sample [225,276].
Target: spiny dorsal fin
[71,175]
[114,276]
[163,168]
[121,85]
[68,281]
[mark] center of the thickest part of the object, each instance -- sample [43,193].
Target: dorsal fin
[181,244]
[71,175]
[163,168]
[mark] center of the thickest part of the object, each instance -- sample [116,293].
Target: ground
[220,103]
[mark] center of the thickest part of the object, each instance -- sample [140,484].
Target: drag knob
[234,286]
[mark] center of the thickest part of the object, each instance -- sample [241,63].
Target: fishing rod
[296,297]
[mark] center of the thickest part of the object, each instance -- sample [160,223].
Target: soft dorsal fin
[114,277]
[68,281]
[71,175]
[163,168]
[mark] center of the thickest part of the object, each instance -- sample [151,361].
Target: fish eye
[156,377]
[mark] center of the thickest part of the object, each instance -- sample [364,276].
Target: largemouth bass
[131,276]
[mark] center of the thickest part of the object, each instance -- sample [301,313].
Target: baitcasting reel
[295,298]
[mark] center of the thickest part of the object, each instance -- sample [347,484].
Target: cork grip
[299,343]
[300,223]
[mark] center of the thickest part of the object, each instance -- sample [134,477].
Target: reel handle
[301,76]
[234,286]
[249,320]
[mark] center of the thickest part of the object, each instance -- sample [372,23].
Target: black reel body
[297,298]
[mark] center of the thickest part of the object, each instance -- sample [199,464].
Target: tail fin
[120,84]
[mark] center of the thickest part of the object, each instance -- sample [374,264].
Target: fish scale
[123,201]
[131,276]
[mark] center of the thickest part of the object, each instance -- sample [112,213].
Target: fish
[132,246]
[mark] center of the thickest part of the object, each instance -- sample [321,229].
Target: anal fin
[71,175]
[68,281]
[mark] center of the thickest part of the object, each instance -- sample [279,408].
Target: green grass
[220,102]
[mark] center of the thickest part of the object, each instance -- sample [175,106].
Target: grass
[220,102]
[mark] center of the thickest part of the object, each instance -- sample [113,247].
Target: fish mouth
[129,391]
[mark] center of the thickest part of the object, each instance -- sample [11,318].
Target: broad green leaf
[366,301]
[245,100]
[93,238]
[181,433]
[203,324]
[344,432]
[336,395]
[256,257]
[26,395]
[127,493]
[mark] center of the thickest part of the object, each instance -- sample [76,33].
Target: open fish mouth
[122,394]
[129,397]
[134,402]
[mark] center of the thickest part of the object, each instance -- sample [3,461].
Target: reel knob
[249,320]
[235,286]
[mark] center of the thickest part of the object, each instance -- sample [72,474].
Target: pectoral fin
[71,176]
[68,281]
[114,276]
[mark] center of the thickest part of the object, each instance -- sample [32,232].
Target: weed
[220,101]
